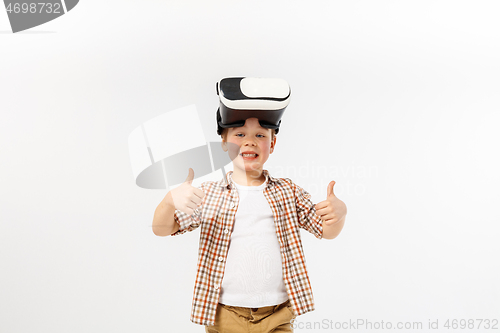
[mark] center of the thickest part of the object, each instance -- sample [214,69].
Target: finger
[321,214]
[190,177]
[322,204]
[191,204]
[195,200]
[322,211]
[329,215]
[329,191]
[336,220]
[331,221]
[199,193]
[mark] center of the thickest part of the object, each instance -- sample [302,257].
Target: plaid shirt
[292,208]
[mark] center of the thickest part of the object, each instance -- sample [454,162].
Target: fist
[332,210]
[186,197]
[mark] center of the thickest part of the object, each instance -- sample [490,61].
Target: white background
[397,101]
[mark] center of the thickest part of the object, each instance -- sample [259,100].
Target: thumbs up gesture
[332,210]
[186,197]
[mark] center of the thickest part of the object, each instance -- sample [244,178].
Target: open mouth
[249,156]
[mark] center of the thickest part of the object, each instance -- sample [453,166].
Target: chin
[250,168]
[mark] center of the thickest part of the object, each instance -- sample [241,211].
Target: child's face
[252,139]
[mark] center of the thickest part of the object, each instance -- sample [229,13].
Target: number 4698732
[33,8]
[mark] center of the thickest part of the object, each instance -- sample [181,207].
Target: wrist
[168,201]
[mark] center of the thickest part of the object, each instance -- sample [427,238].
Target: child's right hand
[186,197]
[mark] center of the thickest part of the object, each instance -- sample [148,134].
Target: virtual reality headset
[245,97]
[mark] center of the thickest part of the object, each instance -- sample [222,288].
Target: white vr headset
[245,97]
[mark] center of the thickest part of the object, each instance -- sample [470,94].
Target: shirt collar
[229,183]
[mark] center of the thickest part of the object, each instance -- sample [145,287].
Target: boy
[251,268]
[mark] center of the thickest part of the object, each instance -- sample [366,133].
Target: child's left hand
[332,210]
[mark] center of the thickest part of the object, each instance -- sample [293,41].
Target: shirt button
[226,231]
[232,205]
[221,259]
[216,286]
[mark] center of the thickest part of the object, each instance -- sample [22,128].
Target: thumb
[329,191]
[190,177]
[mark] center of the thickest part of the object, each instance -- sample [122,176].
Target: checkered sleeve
[306,210]
[189,222]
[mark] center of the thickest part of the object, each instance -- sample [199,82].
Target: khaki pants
[234,319]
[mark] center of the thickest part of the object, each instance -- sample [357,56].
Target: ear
[223,144]
[273,143]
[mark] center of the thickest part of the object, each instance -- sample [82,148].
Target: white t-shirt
[253,274]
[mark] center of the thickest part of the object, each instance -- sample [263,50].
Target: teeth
[248,155]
